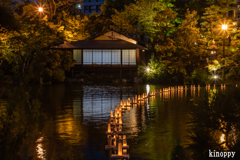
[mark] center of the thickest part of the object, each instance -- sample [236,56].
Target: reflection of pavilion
[93,104]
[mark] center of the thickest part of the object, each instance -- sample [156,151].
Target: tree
[109,7]
[146,20]
[187,48]
[155,71]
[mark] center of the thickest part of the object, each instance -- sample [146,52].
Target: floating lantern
[198,86]
[128,103]
[120,114]
[224,85]
[109,128]
[125,146]
[120,120]
[110,141]
[186,87]
[125,142]
[109,146]
[236,85]
[133,101]
[111,114]
[119,149]
[124,137]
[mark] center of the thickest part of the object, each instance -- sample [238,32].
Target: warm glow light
[224,27]
[147,89]
[214,69]
[148,69]
[40,9]
[215,77]
[40,151]
[223,138]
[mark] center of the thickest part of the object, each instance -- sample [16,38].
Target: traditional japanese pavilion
[110,51]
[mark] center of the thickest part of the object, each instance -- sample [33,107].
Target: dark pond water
[70,121]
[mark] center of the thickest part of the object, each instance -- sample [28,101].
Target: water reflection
[73,121]
[215,118]
[41,153]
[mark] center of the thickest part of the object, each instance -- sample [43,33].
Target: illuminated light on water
[40,151]
[111,113]
[109,128]
[119,149]
[147,89]
[222,138]
[120,120]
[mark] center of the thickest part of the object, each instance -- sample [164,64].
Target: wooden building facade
[108,52]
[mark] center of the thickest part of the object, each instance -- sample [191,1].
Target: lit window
[132,57]
[97,57]
[116,57]
[128,57]
[106,55]
[87,56]
[77,56]
[213,52]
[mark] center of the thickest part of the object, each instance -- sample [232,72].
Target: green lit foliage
[188,47]
[97,23]
[233,66]
[51,8]
[69,28]
[214,66]
[154,72]
[26,52]
[199,76]
[212,20]
[146,19]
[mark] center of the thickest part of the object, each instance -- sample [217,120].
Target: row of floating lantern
[116,139]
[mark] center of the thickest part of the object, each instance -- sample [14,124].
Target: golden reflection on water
[69,128]
[211,95]
[41,153]
[222,140]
